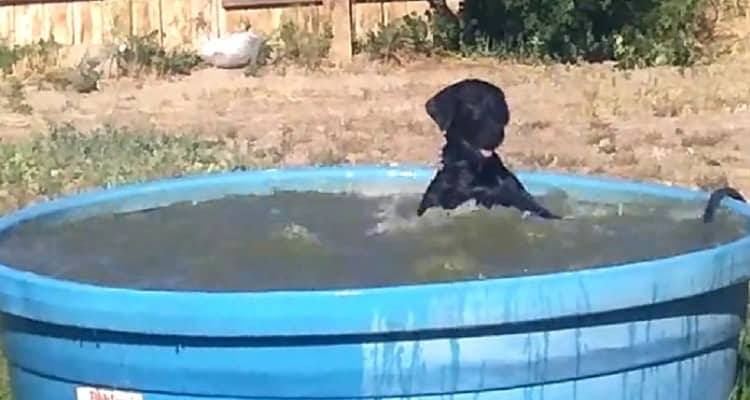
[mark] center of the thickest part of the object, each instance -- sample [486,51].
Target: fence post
[340,14]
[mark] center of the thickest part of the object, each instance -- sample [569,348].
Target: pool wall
[661,329]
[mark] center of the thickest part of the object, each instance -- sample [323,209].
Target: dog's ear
[443,106]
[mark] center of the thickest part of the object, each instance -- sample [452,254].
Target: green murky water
[321,241]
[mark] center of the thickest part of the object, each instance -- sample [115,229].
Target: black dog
[473,114]
[471,110]
[465,176]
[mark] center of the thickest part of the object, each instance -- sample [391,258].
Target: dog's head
[473,110]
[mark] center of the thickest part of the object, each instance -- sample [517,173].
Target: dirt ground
[690,126]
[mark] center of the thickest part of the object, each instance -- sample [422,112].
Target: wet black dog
[465,175]
[471,110]
[473,114]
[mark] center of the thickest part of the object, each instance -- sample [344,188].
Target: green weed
[66,160]
[12,90]
[303,47]
[392,41]
[139,55]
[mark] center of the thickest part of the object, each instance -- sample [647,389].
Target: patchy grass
[66,160]
[586,118]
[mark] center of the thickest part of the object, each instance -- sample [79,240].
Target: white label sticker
[90,393]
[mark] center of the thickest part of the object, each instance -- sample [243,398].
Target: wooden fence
[187,22]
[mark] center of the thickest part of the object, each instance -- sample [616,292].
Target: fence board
[310,17]
[29,23]
[340,13]
[7,25]
[203,21]
[235,18]
[189,22]
[221,18]
[116,19]
[394,10]
[146,17]
[87,23]
[367,16]
[97,28]
[177,21]
[59,22]
[255,4]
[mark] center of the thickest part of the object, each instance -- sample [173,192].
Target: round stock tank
[663,328]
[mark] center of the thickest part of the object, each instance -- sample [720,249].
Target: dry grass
[654,123]
[669,124]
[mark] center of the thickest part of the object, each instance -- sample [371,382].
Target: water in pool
[308,240]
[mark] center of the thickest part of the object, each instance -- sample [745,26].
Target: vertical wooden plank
[234,18]
[45,23]
[146,18]
[28,23]
[309,17]
[24,17]
[116,19]
[204,21]
[319,17]
[83,23]
[357,17]
[221,18]
[287,15]
[418,7]
[296,14]
[95,15]
[270,20]
[367,18]
[7,25]
[262,20]
[394,10]
[277,17]
[38,23]
[340,14]
[58,22]
[177,21]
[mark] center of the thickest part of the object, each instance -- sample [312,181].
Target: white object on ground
[233,51]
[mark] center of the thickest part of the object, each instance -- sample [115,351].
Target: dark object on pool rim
[715,199]
[473,114]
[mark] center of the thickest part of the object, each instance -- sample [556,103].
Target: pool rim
[348,312]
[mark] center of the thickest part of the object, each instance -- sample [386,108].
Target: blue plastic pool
[662,329]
